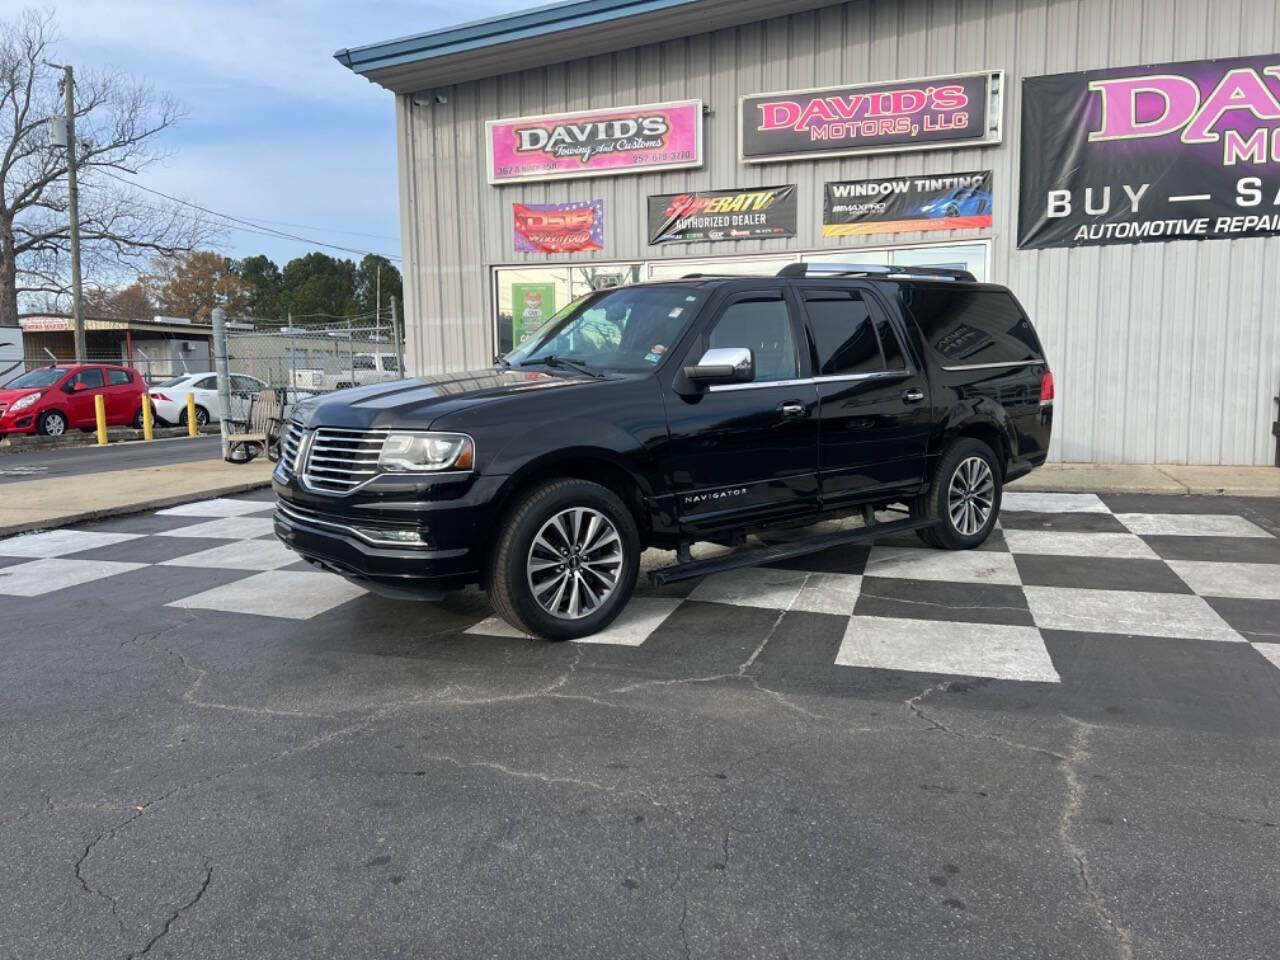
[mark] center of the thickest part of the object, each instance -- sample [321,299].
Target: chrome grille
[289,446]
[339,460]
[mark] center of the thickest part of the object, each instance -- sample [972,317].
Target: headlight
[23,402]
[419,452]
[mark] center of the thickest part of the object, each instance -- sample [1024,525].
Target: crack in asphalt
[173,917]
[1069,762]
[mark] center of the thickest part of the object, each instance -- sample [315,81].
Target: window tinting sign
[957,201]
[925,114]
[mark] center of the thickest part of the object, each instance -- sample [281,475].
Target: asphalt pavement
[125,455]
[1066,744]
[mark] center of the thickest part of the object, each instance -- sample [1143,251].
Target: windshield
[628,329]
[176,380]
[46,377]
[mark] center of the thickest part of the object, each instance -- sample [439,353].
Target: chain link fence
[316,358]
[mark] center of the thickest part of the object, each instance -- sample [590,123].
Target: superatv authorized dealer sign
[1175,151]
[595,143]
[723,215]
[956,201]
[930,113]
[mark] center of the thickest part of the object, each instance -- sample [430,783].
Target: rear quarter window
[968,327]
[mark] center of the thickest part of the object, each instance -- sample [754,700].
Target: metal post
[73,209]
[224,377]
[395,334]
[293,353]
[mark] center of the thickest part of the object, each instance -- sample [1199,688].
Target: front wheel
[964,497]
[52,423]
[566,560]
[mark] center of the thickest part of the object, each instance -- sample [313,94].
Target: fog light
[397,535]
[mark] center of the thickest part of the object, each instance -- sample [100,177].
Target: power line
[248,226]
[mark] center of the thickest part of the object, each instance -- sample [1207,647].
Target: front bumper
[24,421]
[352,535]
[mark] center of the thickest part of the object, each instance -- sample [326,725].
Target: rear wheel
[566,560]
[964,497]
[202,417]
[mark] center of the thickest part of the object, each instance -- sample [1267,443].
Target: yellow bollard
[100,410]
[148,431]
[193,429]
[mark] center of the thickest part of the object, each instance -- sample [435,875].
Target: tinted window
[206,383]
[120,376]
[890,345]
[90,378]
[244,384]
[765,326]
[843,333]
[390,363]
[362,362]
[176,381]
[973,326]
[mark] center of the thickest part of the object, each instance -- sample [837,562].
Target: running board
[783,551]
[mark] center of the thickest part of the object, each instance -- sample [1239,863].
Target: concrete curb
[22,443]
[138,506]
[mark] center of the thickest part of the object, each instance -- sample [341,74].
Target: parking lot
[1061,745]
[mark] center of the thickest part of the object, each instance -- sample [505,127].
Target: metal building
[1165,350]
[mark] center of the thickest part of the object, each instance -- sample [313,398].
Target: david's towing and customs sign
[754,214]
[1174,151]
[595,143]
[957,201]
[926,114]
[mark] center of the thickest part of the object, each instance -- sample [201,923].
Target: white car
[170,397]
[364,368]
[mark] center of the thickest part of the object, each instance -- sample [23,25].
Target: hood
[8,396]
[418,402]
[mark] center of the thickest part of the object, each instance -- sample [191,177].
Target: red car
[53,399]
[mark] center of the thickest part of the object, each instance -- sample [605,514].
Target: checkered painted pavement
[1059,565]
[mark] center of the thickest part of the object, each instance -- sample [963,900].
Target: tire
[972,469]
[202,417]
[52,423]
[137,420]
[537,595]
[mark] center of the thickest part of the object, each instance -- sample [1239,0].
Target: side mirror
[724,365]
[80,387]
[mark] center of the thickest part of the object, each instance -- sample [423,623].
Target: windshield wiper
[500,361]
[551,360]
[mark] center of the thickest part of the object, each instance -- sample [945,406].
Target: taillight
[1046,389]
[157,395]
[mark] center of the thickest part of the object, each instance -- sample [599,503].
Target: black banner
[956,201]
[1180,151]
[753,214]
[950,111]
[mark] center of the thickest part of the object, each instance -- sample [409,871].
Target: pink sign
[596,143]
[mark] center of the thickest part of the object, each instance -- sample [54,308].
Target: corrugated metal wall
[1163,352]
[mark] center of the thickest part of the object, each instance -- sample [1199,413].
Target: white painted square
[835,593]
[39,577]
[941,646]
[752,587]
[239,555]
[57,543]
[1061,543]
[963,566]
[1190,525]
[1127,612]
[1052,502]
[642,616]
[218,507]
[225,528]
[1269,650]
[293,595]
[1251,581]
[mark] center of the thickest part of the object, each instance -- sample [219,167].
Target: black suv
[703,409]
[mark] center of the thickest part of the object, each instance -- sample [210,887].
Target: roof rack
[874,269]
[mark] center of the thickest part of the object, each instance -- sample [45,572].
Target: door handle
[912,395]
[791,408]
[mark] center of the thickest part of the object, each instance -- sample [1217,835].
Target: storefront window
[528,297]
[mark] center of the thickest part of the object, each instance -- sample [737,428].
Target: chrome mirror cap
[724,365]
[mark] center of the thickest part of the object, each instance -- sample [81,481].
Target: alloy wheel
[574,563]
[970,497]
[55,425]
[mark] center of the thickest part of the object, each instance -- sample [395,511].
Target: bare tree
[117,120]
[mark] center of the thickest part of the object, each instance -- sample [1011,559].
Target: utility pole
[73,209]
[395,334]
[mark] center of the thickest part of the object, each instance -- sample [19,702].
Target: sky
[276,130]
